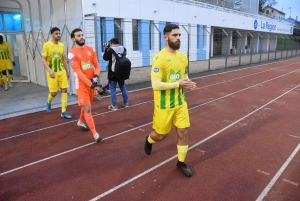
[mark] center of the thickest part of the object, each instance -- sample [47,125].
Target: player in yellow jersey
[169,77]
[57,71]
[5,63]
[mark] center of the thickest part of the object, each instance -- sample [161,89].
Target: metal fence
[208,48]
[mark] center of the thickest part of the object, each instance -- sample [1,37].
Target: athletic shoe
[82,126]
[97,137]
[112,108]
[184,169]
[10,85]
[66,115]
[148,146]
[48,107]
[125,105]
[5,88]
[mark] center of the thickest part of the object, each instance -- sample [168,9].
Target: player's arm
[66,66]
[77,69]
[157,75]
[10,54]
[44,61]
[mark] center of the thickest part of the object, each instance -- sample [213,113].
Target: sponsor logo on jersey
[86,65]
[56,55]
[156,70]
[174,76]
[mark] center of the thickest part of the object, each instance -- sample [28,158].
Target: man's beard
[80,43]
[174,46]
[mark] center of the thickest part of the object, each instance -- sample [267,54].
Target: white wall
[177,12]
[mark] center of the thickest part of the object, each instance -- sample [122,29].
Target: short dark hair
[74,31]
[54,29]
[169,27]
[114,41]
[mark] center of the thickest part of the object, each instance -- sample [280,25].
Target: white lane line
[195,145]
[123,132]
[275,178]
[71,150]
[45,128]
[295,136]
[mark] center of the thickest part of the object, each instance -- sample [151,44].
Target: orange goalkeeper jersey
[85,65]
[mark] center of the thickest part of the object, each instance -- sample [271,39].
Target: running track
[244,145]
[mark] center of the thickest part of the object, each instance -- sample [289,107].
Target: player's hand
[52,74]
[95,78]
[187,84]
[94,85]
[14,63]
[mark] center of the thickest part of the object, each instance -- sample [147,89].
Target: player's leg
[162,124]
[53,88]
[63,84]
[4,79]
[113,95]
[182,123]
[122,86]
[85,98]
[9,72]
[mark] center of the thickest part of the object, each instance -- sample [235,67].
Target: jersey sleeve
[157,67]
[44,50]
[9,52]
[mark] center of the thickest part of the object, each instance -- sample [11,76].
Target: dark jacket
[107,56]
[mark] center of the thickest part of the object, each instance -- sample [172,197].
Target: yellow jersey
[169,68]
[5,53]
[54,53]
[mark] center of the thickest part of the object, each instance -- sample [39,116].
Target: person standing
[84,62]
[57,71]
[6,58]
[169,77]
[113,81]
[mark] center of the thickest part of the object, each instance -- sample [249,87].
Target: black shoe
[184,169]
[148,146]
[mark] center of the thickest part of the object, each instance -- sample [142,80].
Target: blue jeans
[113,93]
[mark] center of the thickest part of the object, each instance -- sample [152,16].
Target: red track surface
[244,127]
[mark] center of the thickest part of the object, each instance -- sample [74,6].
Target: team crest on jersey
[86,65]
[89,53]
[71,62]
[156,70]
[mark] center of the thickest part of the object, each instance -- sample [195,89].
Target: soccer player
[169,78]
[5,63]
[57,71]
[84,62]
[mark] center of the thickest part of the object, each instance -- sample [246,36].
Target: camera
[106,45]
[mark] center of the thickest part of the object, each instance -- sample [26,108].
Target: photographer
[108,56]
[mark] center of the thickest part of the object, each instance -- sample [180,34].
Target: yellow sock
[4,79]
[9,77]
[182,151]
[64,102]
[50,98]
[150,140]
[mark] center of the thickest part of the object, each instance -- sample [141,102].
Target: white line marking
[295,136]
[45,128]
[65,152]
[130,130]
[197,144]
[275,178]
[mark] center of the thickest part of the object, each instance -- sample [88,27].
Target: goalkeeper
[84,62]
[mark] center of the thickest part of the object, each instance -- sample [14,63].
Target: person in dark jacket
[113,81]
